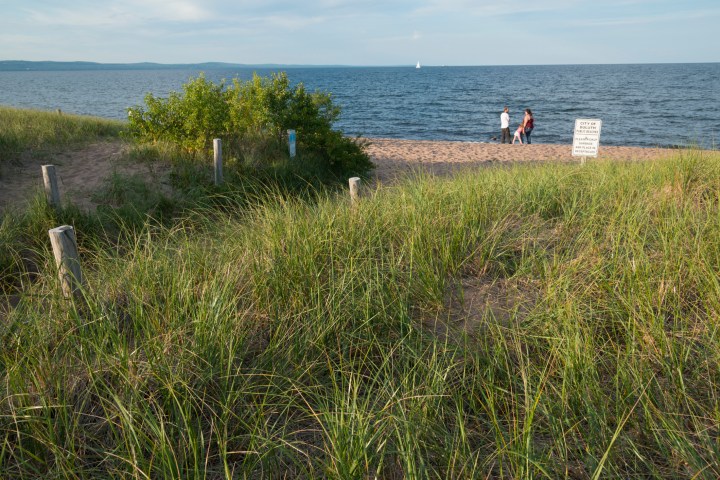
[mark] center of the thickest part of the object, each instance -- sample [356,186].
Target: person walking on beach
[505,126]
[528,124]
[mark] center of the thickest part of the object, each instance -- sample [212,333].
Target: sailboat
[418,65]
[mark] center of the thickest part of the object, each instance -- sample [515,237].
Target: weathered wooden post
[292,138]
[354,189]
[52,194]
[64,245]
[217,156]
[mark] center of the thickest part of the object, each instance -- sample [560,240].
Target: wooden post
[52,194]
[64,247]
[292,138]
[354,189]
[217,156]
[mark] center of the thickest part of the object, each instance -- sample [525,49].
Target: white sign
[586,138]
[291,142]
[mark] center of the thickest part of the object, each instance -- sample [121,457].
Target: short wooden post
[52,194]
[217,156]
[354,189]
[64,247]
[59,112]
[292,138]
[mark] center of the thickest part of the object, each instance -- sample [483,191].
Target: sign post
[291,142]
[586,138]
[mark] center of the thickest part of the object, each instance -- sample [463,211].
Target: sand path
[81,172]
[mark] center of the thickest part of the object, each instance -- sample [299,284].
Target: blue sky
[362,32]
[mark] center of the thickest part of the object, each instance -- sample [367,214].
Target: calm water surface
[644,105]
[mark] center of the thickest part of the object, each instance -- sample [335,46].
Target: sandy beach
[395,158]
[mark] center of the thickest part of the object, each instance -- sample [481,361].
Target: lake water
[643,105]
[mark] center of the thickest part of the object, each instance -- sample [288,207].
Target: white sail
[418,65]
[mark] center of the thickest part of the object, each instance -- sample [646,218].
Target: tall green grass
[37,132]
[312,339]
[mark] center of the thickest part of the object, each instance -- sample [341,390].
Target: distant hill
[23,65]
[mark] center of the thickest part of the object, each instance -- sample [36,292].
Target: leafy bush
[252,118]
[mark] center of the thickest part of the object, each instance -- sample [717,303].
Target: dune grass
[37,132]
[312,339]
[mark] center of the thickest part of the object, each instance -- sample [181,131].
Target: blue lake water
[643,105]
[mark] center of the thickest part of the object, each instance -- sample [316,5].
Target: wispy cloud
[491,7]
[291,22]
[649,19]
[174,10]
[118,13]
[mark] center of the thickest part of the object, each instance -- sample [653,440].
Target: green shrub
[190,120]
[252,118]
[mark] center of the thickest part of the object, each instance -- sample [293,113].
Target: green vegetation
[252,119]
[177,132]
[36,133]
[550,321]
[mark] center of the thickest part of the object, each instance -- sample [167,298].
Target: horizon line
[330,65]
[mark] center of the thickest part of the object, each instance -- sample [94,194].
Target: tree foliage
[252,118]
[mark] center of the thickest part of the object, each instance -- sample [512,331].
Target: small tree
[190,120]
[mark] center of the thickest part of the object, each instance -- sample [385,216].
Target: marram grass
[320,340]
[37,132]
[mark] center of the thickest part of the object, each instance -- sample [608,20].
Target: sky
[361,32]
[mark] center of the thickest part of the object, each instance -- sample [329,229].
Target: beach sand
[396,158]
[83,171]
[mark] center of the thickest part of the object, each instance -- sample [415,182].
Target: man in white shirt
[505,126]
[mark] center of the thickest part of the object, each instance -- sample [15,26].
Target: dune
[83,171]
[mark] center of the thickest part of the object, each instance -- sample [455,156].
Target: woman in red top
[528,124]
